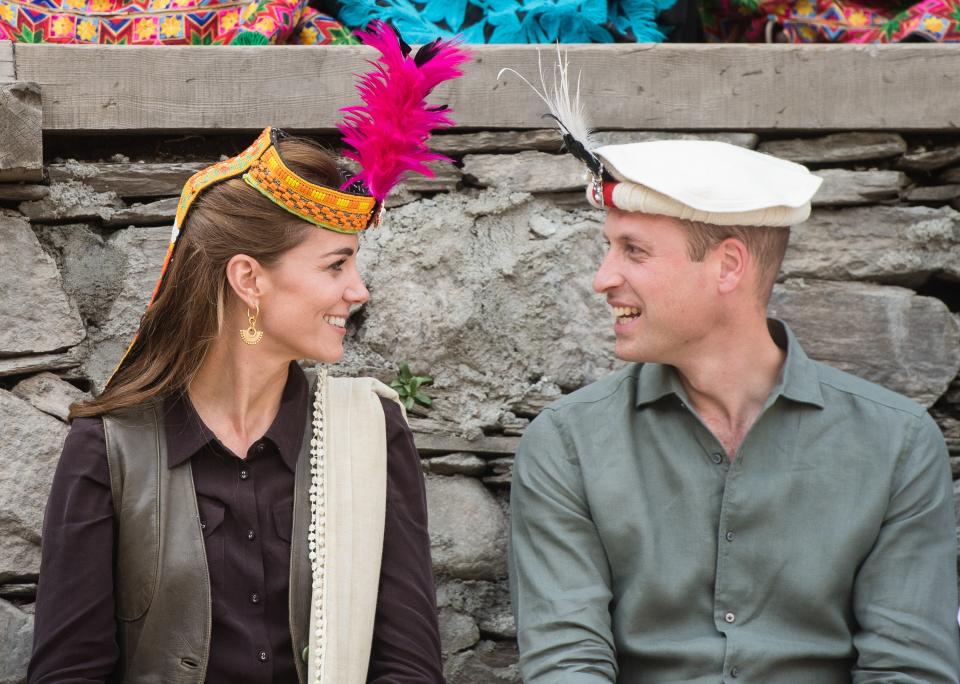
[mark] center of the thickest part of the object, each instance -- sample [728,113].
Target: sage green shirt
[825,552]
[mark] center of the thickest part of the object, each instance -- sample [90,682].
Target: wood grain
[653,87]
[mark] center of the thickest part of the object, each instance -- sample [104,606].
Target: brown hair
[176,331]
[766,245]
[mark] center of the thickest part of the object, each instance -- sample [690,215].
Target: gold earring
[251,335]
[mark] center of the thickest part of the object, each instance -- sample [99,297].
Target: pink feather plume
[388,133]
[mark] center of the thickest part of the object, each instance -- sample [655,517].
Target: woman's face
[308,295]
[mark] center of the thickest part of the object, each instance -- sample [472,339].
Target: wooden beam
[7,73]
[21,137]
[626,86]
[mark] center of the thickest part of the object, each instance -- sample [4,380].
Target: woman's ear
[246,278]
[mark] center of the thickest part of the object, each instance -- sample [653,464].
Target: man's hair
[766,245]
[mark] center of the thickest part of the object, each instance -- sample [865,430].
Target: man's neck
[728,382]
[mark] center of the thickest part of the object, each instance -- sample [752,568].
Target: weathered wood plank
[21,135]
[7,72]
[656,87]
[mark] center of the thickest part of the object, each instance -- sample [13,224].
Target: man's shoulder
[837,385]
[616,388]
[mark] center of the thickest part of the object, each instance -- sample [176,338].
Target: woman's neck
[237,392]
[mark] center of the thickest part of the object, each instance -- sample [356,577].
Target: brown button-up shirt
[246,513]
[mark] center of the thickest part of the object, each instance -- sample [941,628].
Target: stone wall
[479,277]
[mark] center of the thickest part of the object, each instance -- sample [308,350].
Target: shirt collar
[186,434]
[798,379]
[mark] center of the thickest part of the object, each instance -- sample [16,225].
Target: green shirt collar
[798,379]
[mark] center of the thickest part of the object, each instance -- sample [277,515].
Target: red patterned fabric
[829,21]
[168,22]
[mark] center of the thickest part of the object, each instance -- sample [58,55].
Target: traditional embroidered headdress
[387,135]
[706,181]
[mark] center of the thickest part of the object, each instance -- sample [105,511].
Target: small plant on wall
[410,387]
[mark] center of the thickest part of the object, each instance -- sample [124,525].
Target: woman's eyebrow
[343,251]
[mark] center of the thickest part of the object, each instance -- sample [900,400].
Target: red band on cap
[608,194]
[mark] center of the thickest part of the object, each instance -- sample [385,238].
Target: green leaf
[422,398]
[405,373]
[408,402]
[414,384]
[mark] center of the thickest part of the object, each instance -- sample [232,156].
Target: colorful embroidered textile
[515,21]
[168,22]
[828,21]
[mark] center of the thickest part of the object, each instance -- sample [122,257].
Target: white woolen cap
[708,181]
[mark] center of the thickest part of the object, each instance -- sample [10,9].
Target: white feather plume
[564,106]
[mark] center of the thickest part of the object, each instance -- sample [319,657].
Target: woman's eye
[338,266]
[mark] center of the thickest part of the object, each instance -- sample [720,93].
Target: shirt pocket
[283,520]
[211,514]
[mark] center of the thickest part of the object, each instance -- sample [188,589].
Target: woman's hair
[229,218]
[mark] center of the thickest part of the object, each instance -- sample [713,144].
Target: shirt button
[729,617]
[203,524]
[263,657]
[244,473]
[734,671]
[254,597]
[261,448]
[730,536]
[716,457]
[251,535]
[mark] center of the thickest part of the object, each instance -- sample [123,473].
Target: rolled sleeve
[905,595]
[559,574]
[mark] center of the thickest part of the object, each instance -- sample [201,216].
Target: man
[725,508]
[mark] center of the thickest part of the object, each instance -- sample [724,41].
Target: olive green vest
[161,582]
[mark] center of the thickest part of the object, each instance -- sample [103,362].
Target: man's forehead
[637,226]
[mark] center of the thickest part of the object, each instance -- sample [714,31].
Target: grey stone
[36,313]
[16,635]
[50,394]
[932,193]
[21,365]
[22,191]
[541,226]
[30,443]
[18,592]
[929,160]
[445,177]
[487,602]
[491,662]
[153,213]
[888,335]
[899,245]
[748,140]
[456,464]
[526,171]
[21,154]
[487,142]
[950,176]
[511,424]
[846,188]
[72,201]
[502,472]
[111,281]
[457,631]
[130,179]
[468,530]
[538,322]
[838,147]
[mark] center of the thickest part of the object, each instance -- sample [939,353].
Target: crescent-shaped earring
[251,335]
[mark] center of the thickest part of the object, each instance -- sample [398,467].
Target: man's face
[662,302]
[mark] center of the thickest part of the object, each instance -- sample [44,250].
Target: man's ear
[245,276]
[734,260]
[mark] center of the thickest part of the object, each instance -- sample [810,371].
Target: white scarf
[348,507]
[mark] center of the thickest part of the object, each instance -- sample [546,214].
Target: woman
[217,515]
